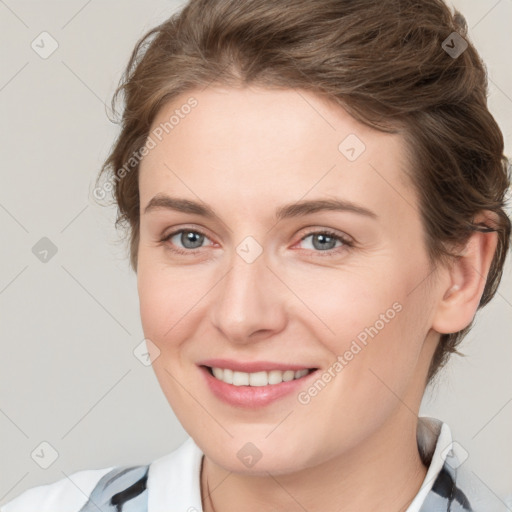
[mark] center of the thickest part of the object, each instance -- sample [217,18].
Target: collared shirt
[172,483]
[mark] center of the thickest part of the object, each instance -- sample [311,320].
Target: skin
[245,152]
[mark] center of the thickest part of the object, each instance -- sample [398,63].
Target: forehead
[287,143]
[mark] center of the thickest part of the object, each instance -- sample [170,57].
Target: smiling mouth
[257,379]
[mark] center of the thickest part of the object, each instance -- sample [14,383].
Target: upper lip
[252,366]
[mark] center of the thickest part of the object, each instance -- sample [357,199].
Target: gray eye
[190,239]
[321,241]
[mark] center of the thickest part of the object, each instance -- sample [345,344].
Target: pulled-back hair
[384,62]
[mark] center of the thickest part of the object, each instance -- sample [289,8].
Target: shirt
[172,483]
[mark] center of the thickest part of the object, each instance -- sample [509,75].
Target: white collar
[174,479]
[434,440]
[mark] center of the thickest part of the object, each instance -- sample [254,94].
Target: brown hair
[387,63]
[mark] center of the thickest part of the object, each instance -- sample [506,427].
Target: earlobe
[463,287]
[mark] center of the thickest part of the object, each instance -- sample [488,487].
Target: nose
[250,302]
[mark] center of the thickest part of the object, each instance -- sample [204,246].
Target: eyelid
[175,231]
[316,230]
[347,241]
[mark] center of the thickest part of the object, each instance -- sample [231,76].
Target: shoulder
[470,488]
[168,483]
[70,493]
[451,484]
[458,488]
[83,491]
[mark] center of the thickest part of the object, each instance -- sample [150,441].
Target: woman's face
[260,280]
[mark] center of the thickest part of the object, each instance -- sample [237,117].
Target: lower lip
[252,396]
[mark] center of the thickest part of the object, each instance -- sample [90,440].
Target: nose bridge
[248,300]
[247,271]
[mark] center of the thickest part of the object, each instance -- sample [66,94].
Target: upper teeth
[257,378]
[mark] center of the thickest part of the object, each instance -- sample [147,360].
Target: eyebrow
[298,209]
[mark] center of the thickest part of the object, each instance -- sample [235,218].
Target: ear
[464,281]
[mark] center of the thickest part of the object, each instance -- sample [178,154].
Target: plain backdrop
[69,325]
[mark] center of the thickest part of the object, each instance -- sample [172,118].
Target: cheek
[392,356]
[346,303]
[155,308]
[167,314]
[158,298]
[367,321]
[171,301]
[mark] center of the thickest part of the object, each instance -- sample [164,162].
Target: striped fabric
[124,490]
[172,483]
[121,490]
[445,495]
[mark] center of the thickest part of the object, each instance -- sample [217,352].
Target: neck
[384,474]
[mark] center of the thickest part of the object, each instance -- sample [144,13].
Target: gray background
[69,326]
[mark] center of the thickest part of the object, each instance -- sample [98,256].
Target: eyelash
[347,243]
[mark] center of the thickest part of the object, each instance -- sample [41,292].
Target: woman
[314,193]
